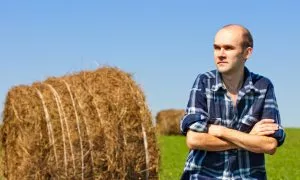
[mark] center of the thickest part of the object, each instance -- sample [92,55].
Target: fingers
[264,127]
[268,127]
[266,121]
[265,133]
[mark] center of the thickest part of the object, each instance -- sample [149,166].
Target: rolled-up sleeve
[271,111]
[196,112]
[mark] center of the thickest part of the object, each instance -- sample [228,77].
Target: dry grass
[168,121]
[89,125]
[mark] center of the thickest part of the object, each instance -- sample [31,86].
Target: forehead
[229,36]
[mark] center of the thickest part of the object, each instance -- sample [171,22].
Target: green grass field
[285,164]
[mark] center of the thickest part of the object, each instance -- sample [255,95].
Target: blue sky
[164,44]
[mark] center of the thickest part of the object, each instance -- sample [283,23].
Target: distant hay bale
[89,125]
[168,121]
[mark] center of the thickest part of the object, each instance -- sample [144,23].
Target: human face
[229,54]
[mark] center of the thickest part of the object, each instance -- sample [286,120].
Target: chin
[222,69]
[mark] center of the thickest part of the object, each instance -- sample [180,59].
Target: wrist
[222,131]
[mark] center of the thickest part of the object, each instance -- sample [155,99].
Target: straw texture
[88,125]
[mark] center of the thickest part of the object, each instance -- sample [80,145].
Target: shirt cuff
[279,135]
[195,122]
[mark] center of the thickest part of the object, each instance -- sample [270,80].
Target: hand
[215,130]
[264,127]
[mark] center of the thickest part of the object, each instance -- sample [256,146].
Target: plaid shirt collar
[246,88]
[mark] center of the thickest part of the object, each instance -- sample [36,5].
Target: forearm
[253,143]
[205,141]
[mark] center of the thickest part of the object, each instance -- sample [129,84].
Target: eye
[217,47]
[228,48]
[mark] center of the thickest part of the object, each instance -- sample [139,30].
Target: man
[232,116]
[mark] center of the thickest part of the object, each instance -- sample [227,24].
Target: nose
[222,52]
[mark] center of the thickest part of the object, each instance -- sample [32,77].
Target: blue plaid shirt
[209,104]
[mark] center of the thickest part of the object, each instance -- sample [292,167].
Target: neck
[233,82]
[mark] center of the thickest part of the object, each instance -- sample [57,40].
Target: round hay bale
[168,121]
[89,125]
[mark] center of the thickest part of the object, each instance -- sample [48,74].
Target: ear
[248,52]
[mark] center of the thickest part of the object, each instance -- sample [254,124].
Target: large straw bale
[168,121]
[89,125]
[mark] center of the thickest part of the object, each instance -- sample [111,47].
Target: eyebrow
[225,46]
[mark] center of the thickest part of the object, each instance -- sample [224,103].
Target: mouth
[221,62]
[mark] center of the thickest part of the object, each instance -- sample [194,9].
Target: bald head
[245,33]
[232,47]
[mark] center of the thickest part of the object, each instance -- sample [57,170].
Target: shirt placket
[233,115]
[232,111]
